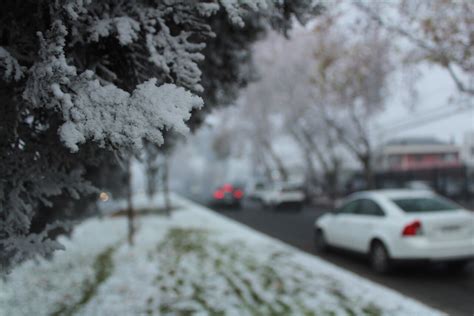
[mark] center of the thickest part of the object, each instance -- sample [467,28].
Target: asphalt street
[451,292]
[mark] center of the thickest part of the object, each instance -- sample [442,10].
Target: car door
[361,224]
[336,232]
[268,193]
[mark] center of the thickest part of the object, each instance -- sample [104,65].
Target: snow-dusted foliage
[103,112]
[10,69]
[124,28]
[81,80]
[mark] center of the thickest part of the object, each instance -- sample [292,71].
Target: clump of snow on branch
[124,27]
[176,55]
[9,66]
[107,113]
[76,7]
[236,8]
[28,246]
[52,70]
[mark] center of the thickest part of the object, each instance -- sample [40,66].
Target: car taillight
[412,229]
[238,194]
[218,195]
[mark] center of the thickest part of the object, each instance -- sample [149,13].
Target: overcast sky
[434,87]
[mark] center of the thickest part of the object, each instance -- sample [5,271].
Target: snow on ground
[194,263]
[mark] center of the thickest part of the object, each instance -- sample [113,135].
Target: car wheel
[379,258]
[320,243]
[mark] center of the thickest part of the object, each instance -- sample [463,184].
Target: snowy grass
[103,267]
[193,263]
[231,279]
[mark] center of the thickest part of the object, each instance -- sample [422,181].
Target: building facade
[467,149]
[418,154]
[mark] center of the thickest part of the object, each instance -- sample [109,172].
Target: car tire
[320,243]
[380,260]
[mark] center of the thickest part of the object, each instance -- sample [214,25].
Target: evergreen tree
[82,81]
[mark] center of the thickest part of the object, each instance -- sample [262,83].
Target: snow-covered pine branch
[105,114]
[10,69]
[81,80]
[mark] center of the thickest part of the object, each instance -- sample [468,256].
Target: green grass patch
[372,310]
[103,267]
[201,274]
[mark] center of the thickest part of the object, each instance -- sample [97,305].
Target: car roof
[393,193]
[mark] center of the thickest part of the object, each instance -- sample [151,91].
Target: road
[450,292]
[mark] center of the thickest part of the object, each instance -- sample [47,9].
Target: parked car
[399,225]
[228,195]
[279,195]
[418,185]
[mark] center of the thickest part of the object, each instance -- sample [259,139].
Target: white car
[392,225]
[279,194]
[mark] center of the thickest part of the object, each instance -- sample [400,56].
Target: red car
[228,195]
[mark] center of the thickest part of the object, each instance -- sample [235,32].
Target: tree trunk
[151,182]
[166,192]
[332,180]
[267,171]
[368,172]
[279,164]
[310,168]
[130,211]
[329,163]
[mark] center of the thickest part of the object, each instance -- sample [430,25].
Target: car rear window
[290,188]
[426,204]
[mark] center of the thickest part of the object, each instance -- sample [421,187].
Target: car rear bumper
[289,205]
[226,202]
[420,248]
